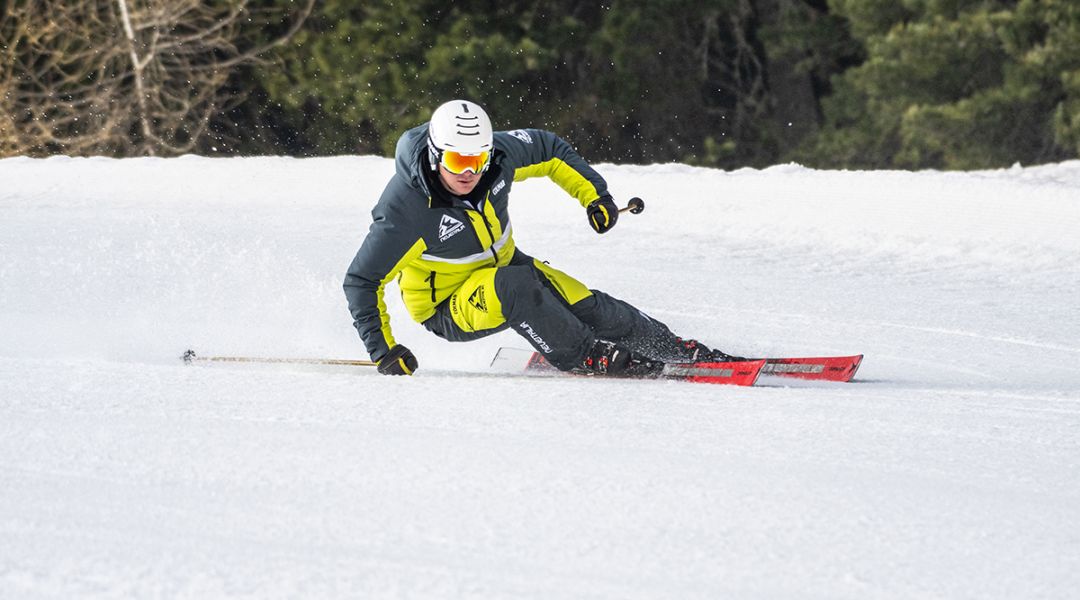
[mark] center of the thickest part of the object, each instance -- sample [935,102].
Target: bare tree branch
[126,77]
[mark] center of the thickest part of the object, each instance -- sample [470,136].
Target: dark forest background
[952,84]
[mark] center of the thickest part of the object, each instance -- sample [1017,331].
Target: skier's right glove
[602,214]
[398,361]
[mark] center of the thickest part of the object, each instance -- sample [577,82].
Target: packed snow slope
[949,469]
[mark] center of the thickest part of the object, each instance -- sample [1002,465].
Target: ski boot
[610,360]
[694,351]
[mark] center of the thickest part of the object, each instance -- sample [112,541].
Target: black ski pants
[555,314]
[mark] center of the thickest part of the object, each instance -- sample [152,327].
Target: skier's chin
[460,187]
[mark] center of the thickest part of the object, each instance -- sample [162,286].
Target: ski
[742,372]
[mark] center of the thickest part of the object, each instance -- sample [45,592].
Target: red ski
[822,368]
[743,372]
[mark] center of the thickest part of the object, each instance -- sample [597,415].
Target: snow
[949,469]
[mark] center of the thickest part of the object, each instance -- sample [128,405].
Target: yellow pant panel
[474,306]
[569,288]
[421,278]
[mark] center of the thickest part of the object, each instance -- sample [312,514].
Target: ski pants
[555,313]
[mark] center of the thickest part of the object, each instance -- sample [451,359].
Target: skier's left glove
[398,361]
[602,213]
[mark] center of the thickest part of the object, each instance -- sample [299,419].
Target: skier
[442,229]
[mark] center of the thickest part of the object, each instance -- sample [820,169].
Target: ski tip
[856,362]
[821,368]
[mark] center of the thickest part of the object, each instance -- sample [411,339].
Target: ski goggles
[457,163]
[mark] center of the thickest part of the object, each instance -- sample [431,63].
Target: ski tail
[516,360]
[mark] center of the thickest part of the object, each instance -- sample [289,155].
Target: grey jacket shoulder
[534,152]
[407,164]
[523,147]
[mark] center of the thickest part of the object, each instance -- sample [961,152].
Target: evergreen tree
[359,75]
[955,84]
[663,80]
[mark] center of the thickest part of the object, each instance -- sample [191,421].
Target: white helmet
[460,126]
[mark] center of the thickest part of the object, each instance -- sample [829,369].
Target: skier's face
[458,184]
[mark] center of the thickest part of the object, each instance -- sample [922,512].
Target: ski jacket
[431,240]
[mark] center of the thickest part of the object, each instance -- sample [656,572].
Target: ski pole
[635,206]
[190,357]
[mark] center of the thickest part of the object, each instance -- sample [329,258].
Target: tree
[358,74]
[122,76]
[960,84]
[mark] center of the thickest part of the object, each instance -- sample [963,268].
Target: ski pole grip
[635,206]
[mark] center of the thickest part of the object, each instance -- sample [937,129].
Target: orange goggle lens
[458,163]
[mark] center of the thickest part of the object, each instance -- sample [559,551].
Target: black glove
[398,361]
[602,213]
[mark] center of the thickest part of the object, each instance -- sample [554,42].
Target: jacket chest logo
[498,187]
[449,227]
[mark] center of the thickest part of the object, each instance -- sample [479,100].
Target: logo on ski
[780,368]
[449,227]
